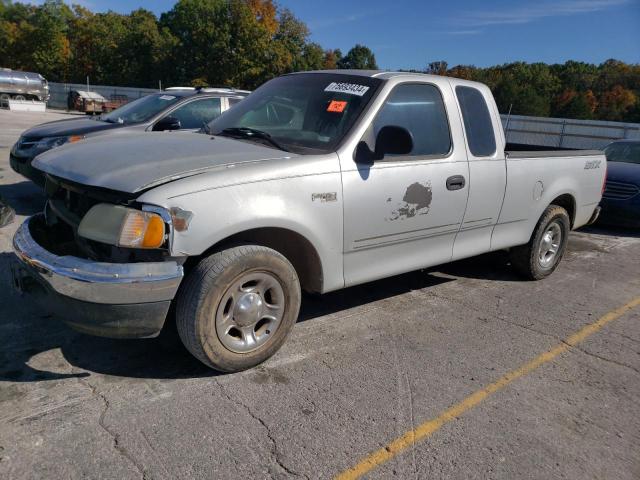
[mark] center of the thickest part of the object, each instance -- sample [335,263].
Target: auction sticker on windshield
[336,106]
[350,88]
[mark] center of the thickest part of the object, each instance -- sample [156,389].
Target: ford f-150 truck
[317,181]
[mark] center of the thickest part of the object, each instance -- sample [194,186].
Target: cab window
[477,122]
[420,109]
[197,113]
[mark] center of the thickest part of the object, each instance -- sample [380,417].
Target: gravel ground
[362,367]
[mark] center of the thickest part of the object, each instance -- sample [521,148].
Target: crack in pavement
[600,357]
[121,449]
[572,347]
[399,374]
[631,339]
[274,445]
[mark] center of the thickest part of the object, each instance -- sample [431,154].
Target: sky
[411,33]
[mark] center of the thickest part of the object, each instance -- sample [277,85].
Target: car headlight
[123,227]
[48,143]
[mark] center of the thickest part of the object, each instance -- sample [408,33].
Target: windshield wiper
[246,132]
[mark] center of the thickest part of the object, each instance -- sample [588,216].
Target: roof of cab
[217,92]
[384,74]
[388,75]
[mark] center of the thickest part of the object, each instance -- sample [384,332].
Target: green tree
[358,58]
[289,43]
[437,68]
[312,58]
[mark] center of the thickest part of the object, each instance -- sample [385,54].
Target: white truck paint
[359,209]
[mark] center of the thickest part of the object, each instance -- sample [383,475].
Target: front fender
[287,203]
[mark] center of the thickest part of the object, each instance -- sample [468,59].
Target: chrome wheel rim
[550,245]
[250,312]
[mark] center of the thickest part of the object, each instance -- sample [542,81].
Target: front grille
[620,190]
[70,202]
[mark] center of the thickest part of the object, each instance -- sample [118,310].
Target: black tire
[526,259]
[200,297]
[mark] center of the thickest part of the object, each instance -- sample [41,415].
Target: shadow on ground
[610,230]
[28,331]
[24,197]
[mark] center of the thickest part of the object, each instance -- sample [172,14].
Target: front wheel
[541,256]
[237,307]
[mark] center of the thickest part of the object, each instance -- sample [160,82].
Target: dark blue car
[621,199]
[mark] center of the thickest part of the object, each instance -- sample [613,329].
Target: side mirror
[167,123]
[393,140]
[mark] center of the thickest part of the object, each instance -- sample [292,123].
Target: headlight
[48,143]
[123,227]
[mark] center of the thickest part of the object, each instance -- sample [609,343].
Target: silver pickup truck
[317,181]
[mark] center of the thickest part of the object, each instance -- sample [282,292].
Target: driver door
[196,113]
[402,212]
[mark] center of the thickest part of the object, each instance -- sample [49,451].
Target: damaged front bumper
[117,300]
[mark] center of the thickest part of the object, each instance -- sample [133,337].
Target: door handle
[455,182]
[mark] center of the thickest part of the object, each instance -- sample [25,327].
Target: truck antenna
[506,127]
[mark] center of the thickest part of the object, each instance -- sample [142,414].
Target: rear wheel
[237,307]
[19,97]
[541,256]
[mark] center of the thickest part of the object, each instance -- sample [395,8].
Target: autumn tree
[615,103]
[332,58]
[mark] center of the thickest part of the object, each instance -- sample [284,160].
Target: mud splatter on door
[416,201]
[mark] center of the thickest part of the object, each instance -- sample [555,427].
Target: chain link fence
[59,92]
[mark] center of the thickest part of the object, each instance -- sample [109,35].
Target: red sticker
[336,106]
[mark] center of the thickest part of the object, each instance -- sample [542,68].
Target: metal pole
[564,124]
[88,84]
[160,85]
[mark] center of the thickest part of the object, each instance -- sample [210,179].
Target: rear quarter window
[477,122]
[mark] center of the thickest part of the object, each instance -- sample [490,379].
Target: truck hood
[73,126]
[133,162]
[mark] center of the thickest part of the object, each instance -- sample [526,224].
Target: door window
[418,108]
[197,113]
[477,122]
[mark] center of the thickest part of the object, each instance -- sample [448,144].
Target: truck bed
[520,150]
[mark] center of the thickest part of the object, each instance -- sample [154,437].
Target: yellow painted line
[424,430]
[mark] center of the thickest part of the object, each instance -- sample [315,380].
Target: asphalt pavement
[419,359]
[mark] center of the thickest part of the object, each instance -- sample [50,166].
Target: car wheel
[541,256]
[237,307]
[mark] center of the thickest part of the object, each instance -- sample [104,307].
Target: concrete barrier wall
[567,133]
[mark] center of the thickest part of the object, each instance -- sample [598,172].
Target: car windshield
[627,152]
[303,113]
[142,109]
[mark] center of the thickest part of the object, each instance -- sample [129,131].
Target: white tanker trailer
[22,86]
